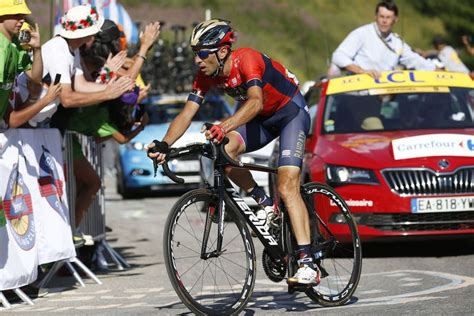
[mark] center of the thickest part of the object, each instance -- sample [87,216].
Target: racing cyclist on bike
[271,106]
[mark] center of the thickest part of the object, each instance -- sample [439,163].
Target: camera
[24,36]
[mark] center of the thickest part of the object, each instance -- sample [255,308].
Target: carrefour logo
[469,145]
[432,145]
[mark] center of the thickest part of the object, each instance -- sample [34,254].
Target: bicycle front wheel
[215,285]
[336,235]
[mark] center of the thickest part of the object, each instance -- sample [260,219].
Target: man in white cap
[61,56]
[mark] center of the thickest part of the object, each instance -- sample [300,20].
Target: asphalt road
[429,278]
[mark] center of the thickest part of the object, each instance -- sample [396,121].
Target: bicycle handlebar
[200,148]
[207,150]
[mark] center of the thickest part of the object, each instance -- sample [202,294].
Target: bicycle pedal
[298,287]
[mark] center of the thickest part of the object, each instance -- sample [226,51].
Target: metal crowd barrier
[93,223]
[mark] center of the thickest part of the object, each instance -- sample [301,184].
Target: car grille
[420,222]
[427,182]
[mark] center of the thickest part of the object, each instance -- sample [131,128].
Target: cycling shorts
[291,123]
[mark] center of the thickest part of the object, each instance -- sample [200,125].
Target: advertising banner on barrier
[18,238]
[42,150]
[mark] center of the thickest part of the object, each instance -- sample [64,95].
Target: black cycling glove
[160,147]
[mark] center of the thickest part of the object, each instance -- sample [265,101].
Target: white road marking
[410,277]
[370,292]
[411,284]
[144,290]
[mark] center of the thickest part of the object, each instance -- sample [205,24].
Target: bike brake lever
[155,166]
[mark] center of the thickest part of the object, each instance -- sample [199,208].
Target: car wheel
[122,189]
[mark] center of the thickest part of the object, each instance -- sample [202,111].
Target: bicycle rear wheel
[337,238]
[217,285]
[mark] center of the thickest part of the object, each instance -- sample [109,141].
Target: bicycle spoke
[343,262]
[206,284]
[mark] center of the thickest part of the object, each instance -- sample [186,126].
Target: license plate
[445,204]
[185,166]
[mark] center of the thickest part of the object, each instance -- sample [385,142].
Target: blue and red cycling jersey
[251,68]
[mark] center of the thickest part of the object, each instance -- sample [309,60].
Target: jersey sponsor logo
[19,210]
[299,151]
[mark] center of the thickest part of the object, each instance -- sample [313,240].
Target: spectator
[448,56]
[25,101]
[373,47]
[61,56]
[110,41]
[467,43]
[14,60]
[112,118]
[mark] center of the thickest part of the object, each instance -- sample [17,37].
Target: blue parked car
[135,169]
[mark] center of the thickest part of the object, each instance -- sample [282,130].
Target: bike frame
[223,188]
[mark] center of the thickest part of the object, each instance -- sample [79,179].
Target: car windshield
[165,113]
[359,112]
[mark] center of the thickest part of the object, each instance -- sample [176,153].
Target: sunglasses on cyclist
[204,53]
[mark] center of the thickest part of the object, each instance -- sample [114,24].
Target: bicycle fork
[219,184]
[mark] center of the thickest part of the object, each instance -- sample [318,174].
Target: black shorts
[290,123]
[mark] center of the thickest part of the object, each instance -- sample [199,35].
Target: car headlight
[136,145]
[347,175]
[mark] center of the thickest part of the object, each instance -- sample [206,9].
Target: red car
[400,151]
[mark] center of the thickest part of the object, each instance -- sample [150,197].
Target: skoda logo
[443,164]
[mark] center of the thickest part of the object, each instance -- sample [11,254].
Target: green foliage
[457,16]
[302,34]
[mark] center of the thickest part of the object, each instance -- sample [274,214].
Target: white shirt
[451,61]
[57,59]
[366,48]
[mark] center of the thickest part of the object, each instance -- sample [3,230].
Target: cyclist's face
[206,60]
[385,20]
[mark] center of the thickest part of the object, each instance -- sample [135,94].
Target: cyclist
[271,106]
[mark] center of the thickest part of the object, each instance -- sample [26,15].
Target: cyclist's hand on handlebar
[216,133]
[157,151]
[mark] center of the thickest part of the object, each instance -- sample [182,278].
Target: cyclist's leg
[242,177]
[289,189]
[240,143]
[292,141]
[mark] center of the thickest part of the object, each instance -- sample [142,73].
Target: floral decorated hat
[80,21]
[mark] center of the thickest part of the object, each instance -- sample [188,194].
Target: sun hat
[8,7]
[80,21]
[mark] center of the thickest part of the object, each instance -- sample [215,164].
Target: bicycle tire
[204,286]
[342,262]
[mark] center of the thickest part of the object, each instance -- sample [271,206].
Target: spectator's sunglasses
[204,53]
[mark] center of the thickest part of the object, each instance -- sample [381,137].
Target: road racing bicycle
[209,251]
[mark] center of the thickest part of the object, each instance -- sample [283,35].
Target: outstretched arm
[17,118]
[181,123]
